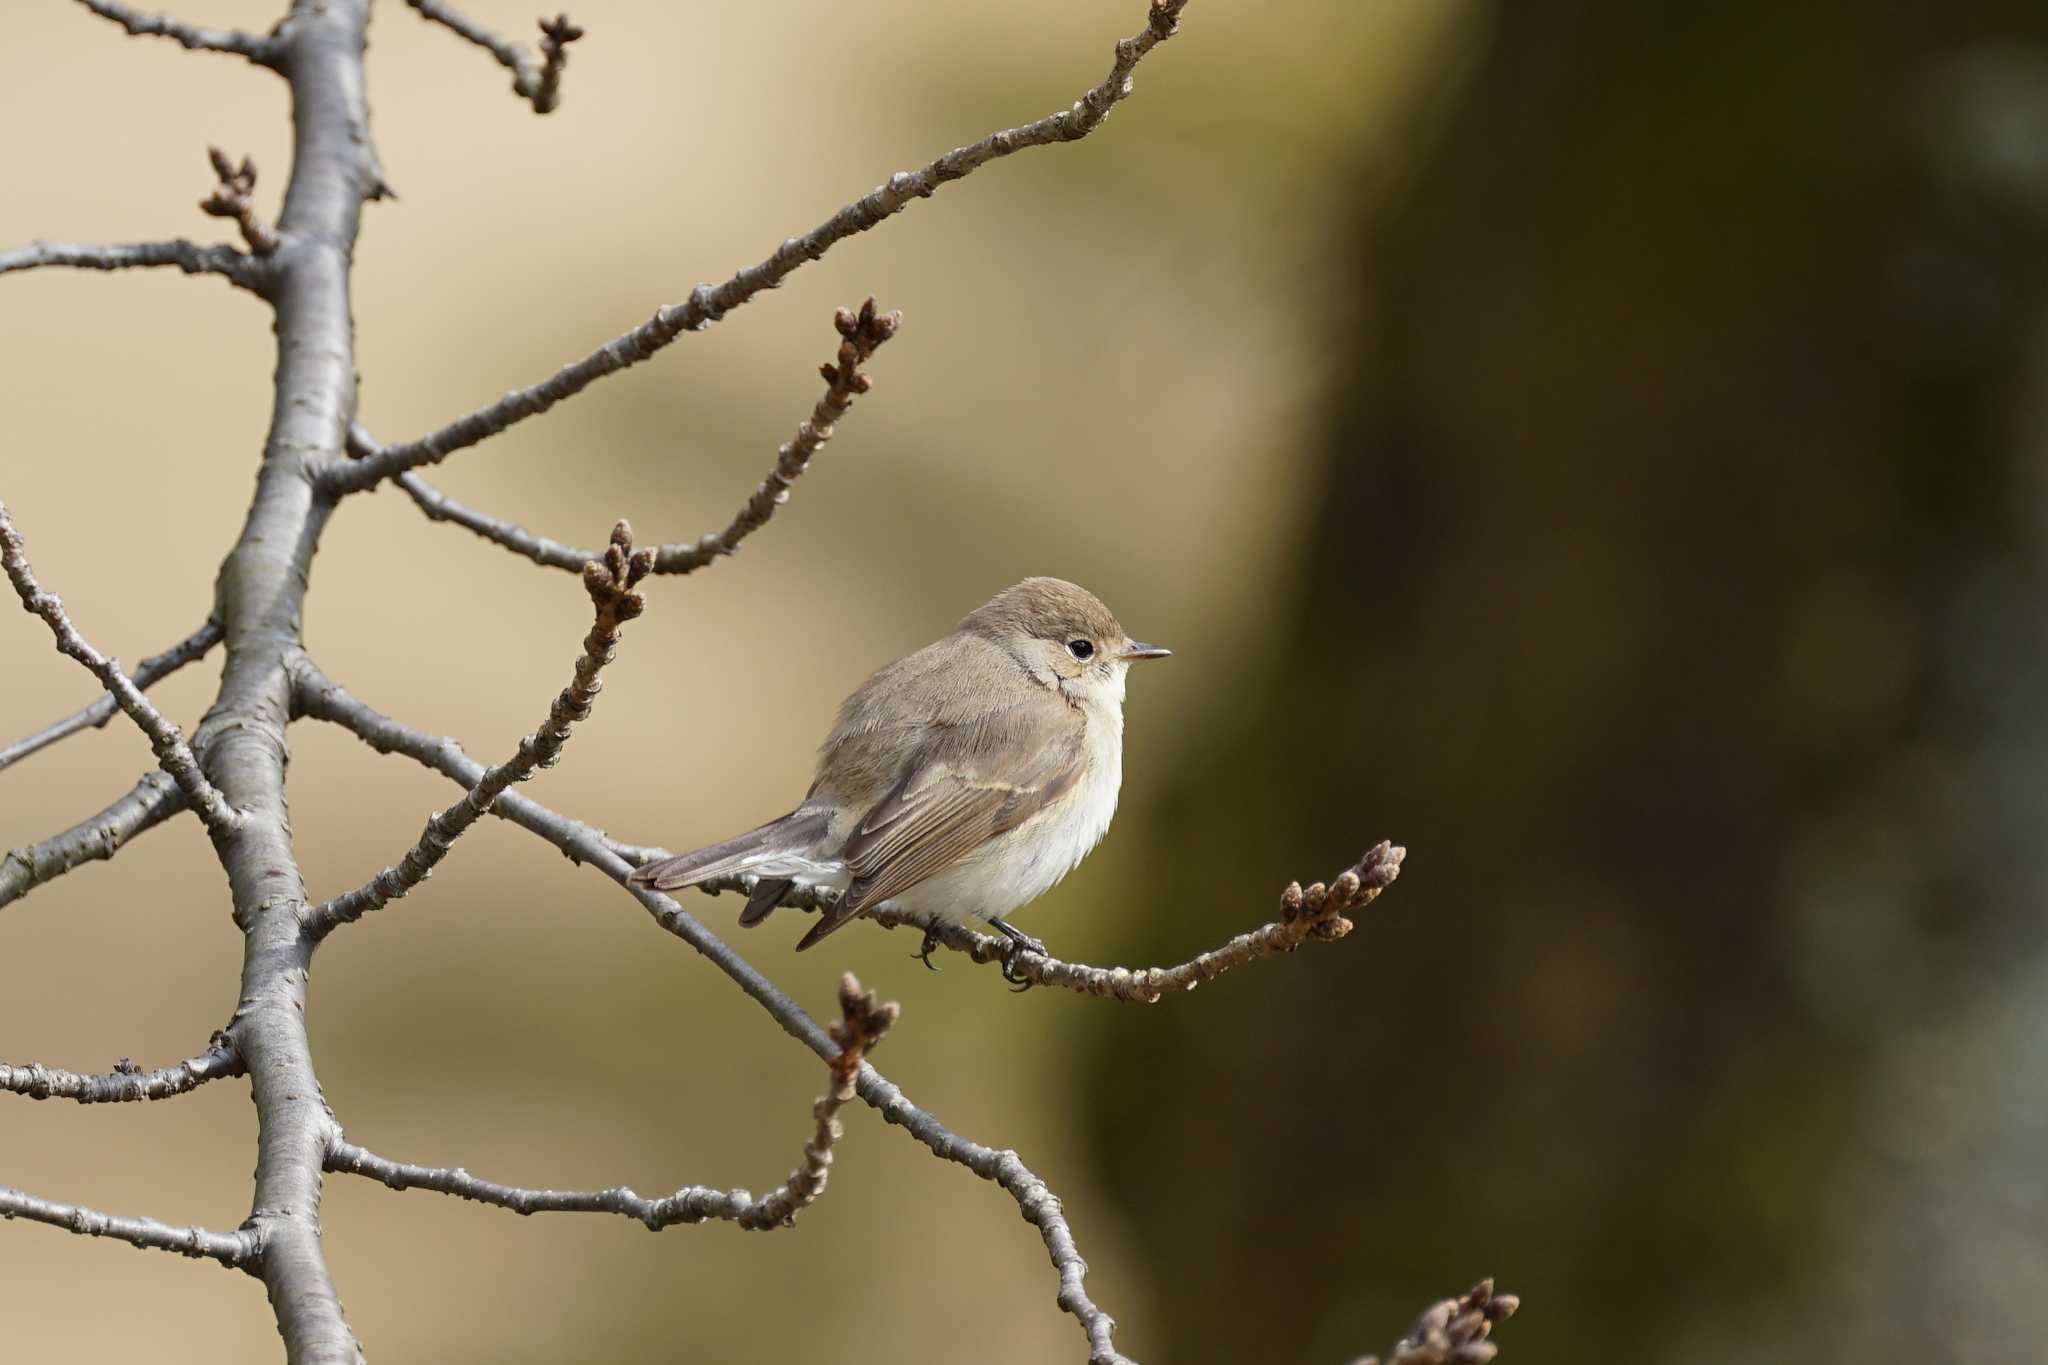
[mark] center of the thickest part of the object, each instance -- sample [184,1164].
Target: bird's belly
[1018,867]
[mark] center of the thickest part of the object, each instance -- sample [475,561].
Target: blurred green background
[1597,445]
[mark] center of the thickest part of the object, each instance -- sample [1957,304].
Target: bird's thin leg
[1019,943]
[924,951]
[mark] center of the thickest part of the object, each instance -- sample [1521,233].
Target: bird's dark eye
[1081,649]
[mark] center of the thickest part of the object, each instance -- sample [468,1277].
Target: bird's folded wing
[967,786]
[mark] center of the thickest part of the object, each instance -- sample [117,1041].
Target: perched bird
[964,779]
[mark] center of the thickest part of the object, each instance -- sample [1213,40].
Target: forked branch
[861,334]
[230,199]
[863,1021]
[610,580]
[708,303]
[539,83]
[172,753]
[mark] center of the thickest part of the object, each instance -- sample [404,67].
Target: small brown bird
[964,779]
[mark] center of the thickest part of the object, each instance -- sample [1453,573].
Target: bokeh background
[1596,444]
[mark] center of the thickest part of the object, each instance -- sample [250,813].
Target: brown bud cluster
[863,334]
[610,581]
[1455,1331]
[863,1020]
[1355,887]
[230,199]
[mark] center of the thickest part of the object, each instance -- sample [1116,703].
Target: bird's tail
[772,847]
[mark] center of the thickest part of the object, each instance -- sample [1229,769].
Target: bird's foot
[1020,943]
[924,950]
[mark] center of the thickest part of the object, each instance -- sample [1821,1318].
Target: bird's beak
[1138,649]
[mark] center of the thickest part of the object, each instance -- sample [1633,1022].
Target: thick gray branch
[708,303]
[537,81]
[96,838]
[147,673]
[261,50]
[236,1249]
[126,1083]
[236,267]
[172,753]
[610,581]
[320,697]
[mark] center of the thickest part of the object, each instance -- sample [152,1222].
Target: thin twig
[96,838]
[610,582]
[861,334]
[236,267]
[172,753]
[537,82]
[708,303]
[237,1249]
[1315,915]
[1454,1331]
[230,199]
[319,696]
[261,50]
[150,671]
[127,1082]
[863,1021]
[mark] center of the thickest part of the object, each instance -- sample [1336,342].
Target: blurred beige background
[1107,372]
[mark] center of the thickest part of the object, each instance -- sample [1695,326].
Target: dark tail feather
[793,833]
[768,893]
[847,907]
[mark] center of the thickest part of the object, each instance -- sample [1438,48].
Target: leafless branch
[321,697]
[260,50]
[1454,1331]
[537,82]
[237,1249]
[862,1023]
[610,580]
[127,1082]
[149,803]
[238,269]
[861,334]
[230,199]
[150,671]
[172,753]
[708,303]
[1315,915]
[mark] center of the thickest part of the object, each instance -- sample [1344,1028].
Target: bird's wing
[965,787]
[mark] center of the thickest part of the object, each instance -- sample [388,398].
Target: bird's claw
[924,950]
[1020,943]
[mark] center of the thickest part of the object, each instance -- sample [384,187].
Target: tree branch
[1454,1331]
[172,753]
[1316,915]
[610,582]
[708,303]
[96,838]
[230,199]
[319,696]
[260,50]
[127,1082]
[237,268]
[150,671]
[237,1249]
[862,1023]
[861,335]
[538,83]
